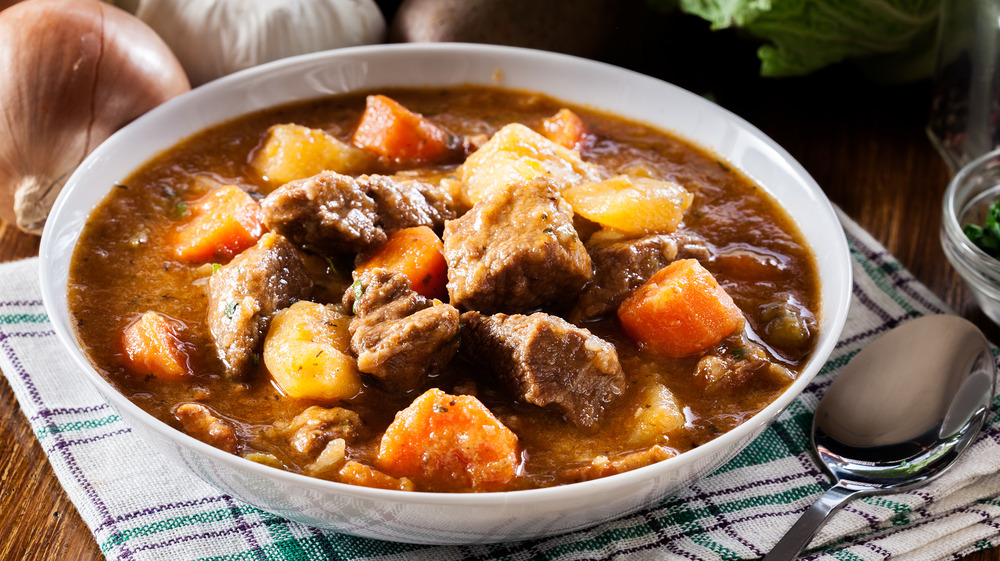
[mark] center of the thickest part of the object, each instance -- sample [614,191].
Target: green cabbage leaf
[894,38]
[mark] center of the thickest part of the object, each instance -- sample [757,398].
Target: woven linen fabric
[140,507]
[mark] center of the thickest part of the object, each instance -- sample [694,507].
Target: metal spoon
[899,414]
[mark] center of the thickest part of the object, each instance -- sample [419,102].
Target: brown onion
[74,72]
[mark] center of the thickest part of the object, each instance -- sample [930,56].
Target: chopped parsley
[358,289]
[987,236]
[331,265]
[180,210]
[231,309]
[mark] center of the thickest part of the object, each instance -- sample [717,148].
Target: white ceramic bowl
[440,518]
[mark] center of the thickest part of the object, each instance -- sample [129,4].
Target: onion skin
[75,71]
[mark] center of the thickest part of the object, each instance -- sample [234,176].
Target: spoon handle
[802,532]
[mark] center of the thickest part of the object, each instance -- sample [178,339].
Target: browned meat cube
[333,213]
[545,360]
[399,336]
[515,250]
[311,430]
[602,466]
[404,203]
[735,361]
[199,422]
[621,266]
[244,295]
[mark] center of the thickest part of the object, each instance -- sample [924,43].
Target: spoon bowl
[901,412]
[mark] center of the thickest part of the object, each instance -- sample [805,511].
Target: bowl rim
[834,314]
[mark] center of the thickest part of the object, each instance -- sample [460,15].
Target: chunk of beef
[545,360]
[244,295]
[515,250]
[621,266]
[199,422]
[328,212]
[335,213]
[735,361]
[399,336]
[310,431]
[603,466]
[693,246]
[404,203]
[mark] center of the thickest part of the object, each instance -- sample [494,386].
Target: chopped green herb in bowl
[987,236]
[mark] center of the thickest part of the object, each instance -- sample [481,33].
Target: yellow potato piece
[305,352]
[516,153]
[633,205]
[294,152]
[657,414]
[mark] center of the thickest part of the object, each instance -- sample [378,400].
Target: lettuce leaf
[801,36]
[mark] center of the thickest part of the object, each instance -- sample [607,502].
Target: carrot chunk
[416,252]
[565,128]
[449,443]
[680,310]
[224,222]
[392,131]
[152,347]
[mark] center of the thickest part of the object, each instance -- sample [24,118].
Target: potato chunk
[516,154]
[632,205]
[293,152]
[657,414]
[306,352]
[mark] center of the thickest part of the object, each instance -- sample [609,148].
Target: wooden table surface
[863,142]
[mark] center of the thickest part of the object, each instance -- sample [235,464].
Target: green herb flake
[358,289]
[987,236]
[181,210]
[231,309]
[330,264]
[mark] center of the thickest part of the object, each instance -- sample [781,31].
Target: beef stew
[290,348]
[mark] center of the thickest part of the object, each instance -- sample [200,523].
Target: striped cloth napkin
[140,508]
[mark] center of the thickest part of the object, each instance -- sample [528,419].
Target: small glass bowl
[966,201]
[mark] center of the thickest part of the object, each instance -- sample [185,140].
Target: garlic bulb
[213,38]
[75,71]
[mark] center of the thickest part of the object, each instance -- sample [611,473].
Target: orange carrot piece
[152,347]
[392,131]
[565,128]
[680,310]
[224,222]
[449,443]
[416,252]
